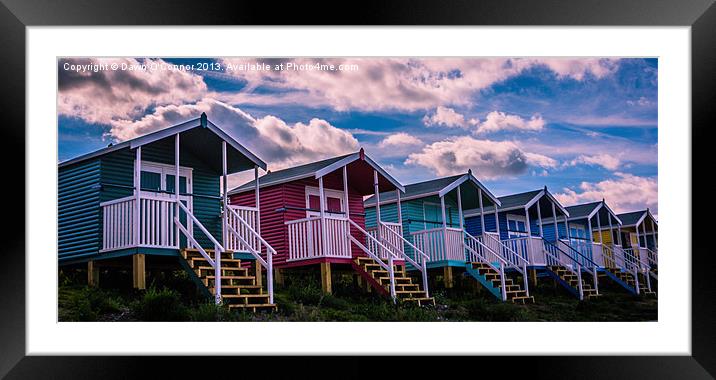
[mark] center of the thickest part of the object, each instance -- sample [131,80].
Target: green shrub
[85,303]
[160,305]
[210,312]
[305,292]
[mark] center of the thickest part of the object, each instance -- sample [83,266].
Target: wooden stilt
[447,277]
[259,273]
[278,274]
[139,278]
[533,276]
[326,278]
[92,273]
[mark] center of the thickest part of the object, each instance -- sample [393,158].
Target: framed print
[459,183]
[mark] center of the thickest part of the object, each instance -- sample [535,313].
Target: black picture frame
[15,15]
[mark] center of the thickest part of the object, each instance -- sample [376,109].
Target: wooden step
[523,299]
[254,307]
[420,300]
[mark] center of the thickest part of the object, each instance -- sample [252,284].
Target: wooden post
[599,229]
[483,229]
[259,273]
[137,195]
[531,258]
[447,277]
[224,198]
[176,191]
[400,211]
[539,219]
[322,207]
[139,278]
[92,273]
[643,228]
[345,192]
[257,201]
[326,278]
[556,228]
[278,273]
[638,239]
[445,243]
[611,229]
[534,277]
[497,222]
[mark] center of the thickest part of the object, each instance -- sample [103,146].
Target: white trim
[472,179]
[315,191]
[353,157]
[517,218]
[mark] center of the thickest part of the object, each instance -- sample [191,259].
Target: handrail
[270,251]
[628,266]
[571,249]
[218,248]
[500,270]
[388,267]
[577,264]
[425,256]
[507,248]
[247,208]
[434,230]
[201,226]
[309,218]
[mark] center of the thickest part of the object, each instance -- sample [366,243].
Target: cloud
[641,102]
[488,159]
[278,143]
[607,161]
[499,121]
[398,140]
[104,96]
[624,193]
[447,117]
[577,69]
[405,84]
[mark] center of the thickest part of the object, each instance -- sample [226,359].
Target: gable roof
[314,169]
[149,138]
[583,210]
[438,186]
[635,217]
[588,210]
[521,200]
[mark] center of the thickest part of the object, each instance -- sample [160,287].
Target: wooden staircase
[570,281]
[405,289]
[238,284]
[626,280]
[490,279]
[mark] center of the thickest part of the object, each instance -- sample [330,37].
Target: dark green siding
[79,222]
[83,186]
[118,169]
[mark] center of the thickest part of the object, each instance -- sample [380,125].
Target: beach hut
[159,197]
[313,216]
[639,237]
[530,234]
[431,216]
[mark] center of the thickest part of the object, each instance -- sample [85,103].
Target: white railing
[244,229]
[529,248]
[477,251]
[218,248]
[118,223]
[305,238]
[156,226]
[246,234]
[389,267]
[441,244]
[651,256]
[557,256]
[489,247]
[626,260]
[391,235]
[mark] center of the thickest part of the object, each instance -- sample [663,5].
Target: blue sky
[584,127]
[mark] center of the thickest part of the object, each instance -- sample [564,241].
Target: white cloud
[400,139]
[407,84]
[498,121]
[607,161]
[624,193]
[278,143]
[447,117]
[488,159]
[106,96]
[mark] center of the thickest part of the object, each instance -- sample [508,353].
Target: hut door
[157,181]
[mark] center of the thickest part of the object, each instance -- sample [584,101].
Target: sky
[584,127]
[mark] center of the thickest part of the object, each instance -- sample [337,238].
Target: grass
[302,300]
